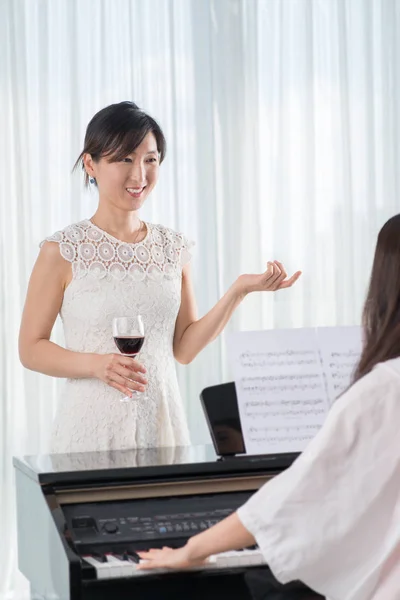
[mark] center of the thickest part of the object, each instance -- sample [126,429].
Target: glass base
[135,396]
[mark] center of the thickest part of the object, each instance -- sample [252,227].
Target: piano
[82,517]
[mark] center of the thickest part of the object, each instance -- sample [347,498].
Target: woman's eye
[127,159]
[152,160]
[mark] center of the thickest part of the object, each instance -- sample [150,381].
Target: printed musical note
[279,382]
[286,381]
[304,412]
[292,402]
[340,351]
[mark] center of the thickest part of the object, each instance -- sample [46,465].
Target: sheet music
[340,349]
[286,381]
[281,391]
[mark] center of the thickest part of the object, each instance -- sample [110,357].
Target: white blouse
[332,520]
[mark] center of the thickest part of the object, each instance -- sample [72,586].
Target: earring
[92,180]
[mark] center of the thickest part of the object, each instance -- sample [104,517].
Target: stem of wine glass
[135,393]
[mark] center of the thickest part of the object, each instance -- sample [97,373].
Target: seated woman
[332,519]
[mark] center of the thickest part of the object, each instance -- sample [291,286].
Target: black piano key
[131,555]
[102,558]
[120,555]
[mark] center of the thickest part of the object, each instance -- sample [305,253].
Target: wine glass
[128,335]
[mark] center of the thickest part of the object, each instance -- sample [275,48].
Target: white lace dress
[110,279]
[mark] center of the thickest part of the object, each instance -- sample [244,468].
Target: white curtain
[282,118]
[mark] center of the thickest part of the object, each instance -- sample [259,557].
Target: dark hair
[115,132]
[381,314]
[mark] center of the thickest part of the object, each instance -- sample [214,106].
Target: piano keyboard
[111,566]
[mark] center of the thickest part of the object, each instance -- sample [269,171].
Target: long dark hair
[381,314]
[116,131]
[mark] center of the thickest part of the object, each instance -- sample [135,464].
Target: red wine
[129,345]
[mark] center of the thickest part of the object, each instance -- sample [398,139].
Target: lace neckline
[116,240]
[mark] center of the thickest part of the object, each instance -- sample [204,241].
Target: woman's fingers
[270,272]
[281,276]
[155,558]
[132,371]
[272,276]
[135,385]
[123,373]
[131,363]
[282,269]
[120,387]
[126,383]
[130,375]
[276,277]
[166,558]
[289,282]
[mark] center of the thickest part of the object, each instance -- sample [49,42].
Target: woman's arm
[229,534]
[50,276]
[47,284]
[193,334]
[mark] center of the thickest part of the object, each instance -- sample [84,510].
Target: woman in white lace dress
[112,265]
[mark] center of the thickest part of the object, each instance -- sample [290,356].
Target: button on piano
[83,517]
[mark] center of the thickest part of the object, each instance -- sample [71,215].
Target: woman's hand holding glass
[128,335]
[121,372]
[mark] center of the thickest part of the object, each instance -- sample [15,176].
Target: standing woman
[116,265]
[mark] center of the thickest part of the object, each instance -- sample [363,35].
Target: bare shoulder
[50,251]
[50,256]
[51,262]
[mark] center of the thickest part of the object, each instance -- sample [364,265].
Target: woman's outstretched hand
[273,279]
[168,558]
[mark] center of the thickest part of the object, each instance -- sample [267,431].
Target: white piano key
[112,568]
[124,568]
[102,570]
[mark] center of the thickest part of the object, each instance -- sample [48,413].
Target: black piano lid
[143,464]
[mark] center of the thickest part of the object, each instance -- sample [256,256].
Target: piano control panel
[147,520]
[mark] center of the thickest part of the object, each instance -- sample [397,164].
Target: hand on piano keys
[168,558]
[131,564]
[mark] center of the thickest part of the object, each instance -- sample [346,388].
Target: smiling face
[125,183]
